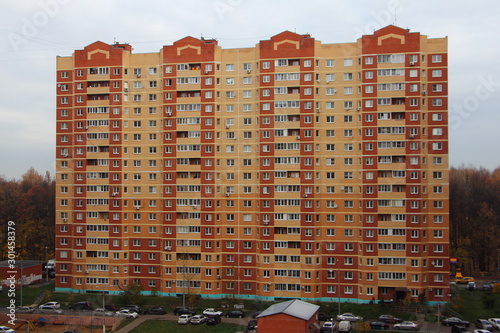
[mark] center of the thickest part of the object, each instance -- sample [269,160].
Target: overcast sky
[35,32]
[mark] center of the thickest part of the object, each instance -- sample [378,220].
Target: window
[437,58]
[437,73]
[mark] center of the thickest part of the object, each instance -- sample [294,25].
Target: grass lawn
[29,294]
[155,326]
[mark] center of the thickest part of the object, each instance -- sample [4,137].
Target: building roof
[295,308]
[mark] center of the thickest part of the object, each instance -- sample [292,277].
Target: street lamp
[338,283]
[103,311]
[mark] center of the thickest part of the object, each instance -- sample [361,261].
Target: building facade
[290,169]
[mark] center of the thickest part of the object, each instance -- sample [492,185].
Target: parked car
[465,279]
[252,325]
[103,312]
[471,286]
[5,329]
[111,307]
[235,314]
[184,319]
[180,310]
[330,324]
[324,317]
[198,319]
[387,318]
[49,309]
[127,313]
[495,322]
[379,325]
[459,329]
[348,317]
[213,320]
[81,306]
[345,326]
[452,321]
[56,305]
[406,325]
[135,308]
[484,324]
[156,310]
[212,312]
[25,309]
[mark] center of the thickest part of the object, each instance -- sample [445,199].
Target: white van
[345,326]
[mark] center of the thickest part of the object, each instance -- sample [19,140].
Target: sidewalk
[133,325]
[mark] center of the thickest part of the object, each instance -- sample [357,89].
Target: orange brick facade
[292,169]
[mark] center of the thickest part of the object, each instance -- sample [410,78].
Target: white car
[103,312]
[348,317]
[481,331]
[198,319]
[184,319]
[406,325]
[5,329]
[495,322]
[212,312]
[127,313]
[49,309]
[330,324]
[55,305]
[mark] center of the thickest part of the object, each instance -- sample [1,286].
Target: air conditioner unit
[266,222]
[219,277]
[358,109]
[412,63]
[227,194]
[65,220]
[306,196]
[249,71]
[169,114]
[412,136]
[342,188]
[194,207]
[318,110]
[206,72]
[168,248]
[318,80]
[430,289]
[113,194]
[138,75]
[137,207]
[298,137]
[65,155]
[126,89]
[86,127]
[86,272]
[424,92]
[227,126]
[335,206]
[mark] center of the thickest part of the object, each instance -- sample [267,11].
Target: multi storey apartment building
[292,169]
